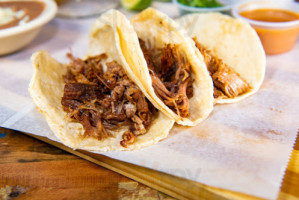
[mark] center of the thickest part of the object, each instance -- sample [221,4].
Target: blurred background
[87,8]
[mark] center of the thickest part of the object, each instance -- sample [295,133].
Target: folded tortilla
[157,31]
[47,89]
[235,43]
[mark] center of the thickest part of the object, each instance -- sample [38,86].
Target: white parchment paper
[243,147]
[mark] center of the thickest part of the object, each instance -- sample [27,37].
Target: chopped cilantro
[201,3]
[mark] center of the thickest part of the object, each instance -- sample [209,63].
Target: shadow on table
[50,32]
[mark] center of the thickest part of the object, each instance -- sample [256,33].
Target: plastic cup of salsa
[276,23]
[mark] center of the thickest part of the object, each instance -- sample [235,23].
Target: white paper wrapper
[243,147]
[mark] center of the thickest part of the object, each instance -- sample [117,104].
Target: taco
[232,52]
[97,103]
[169,69]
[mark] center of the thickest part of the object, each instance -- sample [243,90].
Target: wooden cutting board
[181,188]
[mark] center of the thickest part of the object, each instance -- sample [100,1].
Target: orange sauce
[270,15]
[275,40]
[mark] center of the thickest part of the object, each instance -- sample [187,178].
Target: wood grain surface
[31,169]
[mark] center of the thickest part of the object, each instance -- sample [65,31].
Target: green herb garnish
[201,3]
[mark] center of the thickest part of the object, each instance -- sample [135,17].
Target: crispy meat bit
[171,77]
[130,109]
[138,127]
[80,91]
[230,83]
[127,139]
[102,101]
[227,82]
[218,93]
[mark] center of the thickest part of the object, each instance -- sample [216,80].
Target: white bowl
[227,5]
[17,37]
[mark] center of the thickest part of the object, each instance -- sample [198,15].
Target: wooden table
[31,169]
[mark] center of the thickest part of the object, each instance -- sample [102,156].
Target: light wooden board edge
[176,187]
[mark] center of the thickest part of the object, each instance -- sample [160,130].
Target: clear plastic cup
[84,8]
[276,37]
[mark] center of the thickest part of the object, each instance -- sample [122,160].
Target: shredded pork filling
[103,101]
[171,76]
[227,82]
